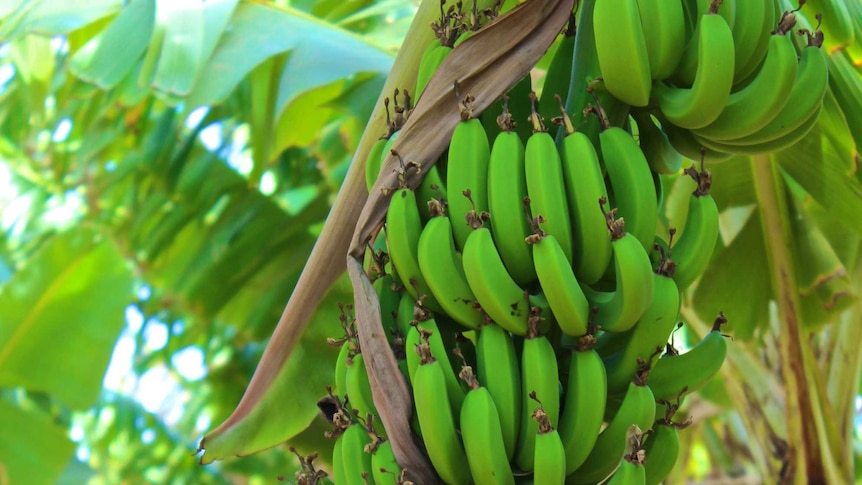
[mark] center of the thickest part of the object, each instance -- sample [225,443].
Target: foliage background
[166,169]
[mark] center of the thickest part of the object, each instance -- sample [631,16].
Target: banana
[507,187]
[431,187]
[483,435]
[356,462]
[804,100]
[584,409]
[683,142]
[686,70]
[751,32]
[539,377]
[389,298]
[430,396]
[661,156]
[467,170]
[564,293]
[404,229]
[359,390]
[637,408]
[341,365]
[754,106]
[778,144]
[427,331]
[702,103]
[622,50]
[338,460]
[661,448]
[499,371]
[545,185]
[675,375]
[559,72]
[405,318]
[549,457]
[384,469]
[585,186]
[441,267]
[651,332]
[634,193]
[692,251]
[663,26]
[630,472]
[372,164]
[619,310]
[500,296]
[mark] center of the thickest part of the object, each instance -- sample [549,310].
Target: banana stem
[809,458]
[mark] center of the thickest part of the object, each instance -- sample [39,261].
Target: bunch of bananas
[730,76]
[525,286]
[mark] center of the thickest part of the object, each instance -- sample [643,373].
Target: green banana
[549,457]
[701,104]
[630,472]
[619,310]
[404,229]
[384,469]
[545,185]
[637,408]
[356,463]
[359,390]
[804,100]
[661,156]
[341,365]
[686,70]
[507,187]
[564,293]
[754,106]
[500,296]
[683,141]
[663,26]
[389,299]
[622,50]
[692,251]
[778,144]
[372,164]
[675,375]
[338,459]
[661,450]
[634,193]
[431,187]
[431,400]
[584,409]
[482,434]
[467,170]
[499,371]
[559,72]
[585,186]
[427,331]
[441,267]
[406,317]
[651,332]
[539,377]
[751,32]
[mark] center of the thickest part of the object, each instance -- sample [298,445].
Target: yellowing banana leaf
[64,308]
[33,449]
